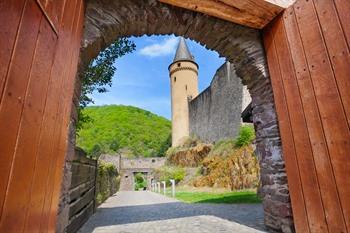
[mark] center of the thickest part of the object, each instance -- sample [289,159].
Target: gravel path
[147,212]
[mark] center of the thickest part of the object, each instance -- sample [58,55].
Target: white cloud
[163,48]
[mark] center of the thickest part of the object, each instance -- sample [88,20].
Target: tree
[98,76]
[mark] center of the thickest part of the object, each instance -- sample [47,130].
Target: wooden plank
[54,10]
[68,97]
[10,11]
[53,190]
[252,13]
[46,151]
[17,79]
[18,192]
[343,9]
[308,176]
[292,168]
[331,202]
[338,53]
[328,99]
[258,8]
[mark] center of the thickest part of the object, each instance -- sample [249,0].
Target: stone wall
[127,177]
[79,200]
[215,113]
[127,167]
[144,165]
[149,163]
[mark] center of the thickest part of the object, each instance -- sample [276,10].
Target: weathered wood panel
[10,11]
[307,45]
[288,146]
[251,13]
[46,151]
[39,55]
[17,79]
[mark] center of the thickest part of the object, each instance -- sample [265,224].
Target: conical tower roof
[182,52]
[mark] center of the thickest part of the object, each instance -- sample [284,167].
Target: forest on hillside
[114,128]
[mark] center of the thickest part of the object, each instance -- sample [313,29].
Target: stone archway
[107,20]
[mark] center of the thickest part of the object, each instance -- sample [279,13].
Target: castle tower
[184,87]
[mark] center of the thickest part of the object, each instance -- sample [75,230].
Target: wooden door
[39,49]
[308,57]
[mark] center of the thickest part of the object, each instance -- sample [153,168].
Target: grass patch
[242,197]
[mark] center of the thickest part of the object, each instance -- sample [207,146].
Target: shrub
[140,182]
[166,173]
[245,137]
[223,148]
[107,181]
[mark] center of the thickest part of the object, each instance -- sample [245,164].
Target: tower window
[178,64]
[174,79]
[186,87]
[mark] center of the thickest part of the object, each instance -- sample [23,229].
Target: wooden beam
[251,13]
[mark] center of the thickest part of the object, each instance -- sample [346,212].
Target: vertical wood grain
[14,91]
[66,109]
[51,190]
[343,9]
[312,196]
[331,108]
[46,152]
[289,151]
[338,53]
[309,66]
[38,67]
[18,191]
[328,187]
[10,11]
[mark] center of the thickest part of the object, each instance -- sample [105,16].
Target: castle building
[184,87]
[214,114]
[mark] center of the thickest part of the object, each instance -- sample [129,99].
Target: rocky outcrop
[188,157]
[237,170]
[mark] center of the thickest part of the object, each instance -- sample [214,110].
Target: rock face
[106,20]
[237,170]
[189,157]
[215,114]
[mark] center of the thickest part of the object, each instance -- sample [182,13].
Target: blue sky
[142,77]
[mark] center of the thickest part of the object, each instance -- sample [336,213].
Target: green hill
[115,127]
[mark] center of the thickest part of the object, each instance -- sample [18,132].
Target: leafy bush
[107,181]
[223,148]
[116,127]
[140,182]
[166,173]
[245,137]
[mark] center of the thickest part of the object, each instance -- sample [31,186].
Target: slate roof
[182,52]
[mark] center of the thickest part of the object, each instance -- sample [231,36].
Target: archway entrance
[242,46]
[309,73]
